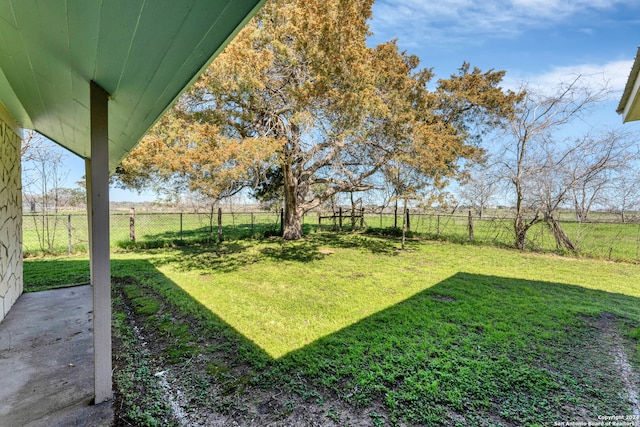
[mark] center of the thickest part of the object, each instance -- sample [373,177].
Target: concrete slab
[46,362]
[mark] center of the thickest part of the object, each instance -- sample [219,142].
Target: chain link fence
[68,233]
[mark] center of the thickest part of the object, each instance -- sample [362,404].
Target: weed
[218,370]
[145,305]
[377,419]
[333,415]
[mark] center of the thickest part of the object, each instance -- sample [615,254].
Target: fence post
[353,218]
[340,221]
[281,221]
[132,224]
[219,224]
[69,234]
[181,228]
[380,219]
[438,226]
[404,225]
[252,221]
[319,221]
[361,218]
[470,226]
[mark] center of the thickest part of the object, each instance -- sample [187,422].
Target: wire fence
[68,233]
[604,240]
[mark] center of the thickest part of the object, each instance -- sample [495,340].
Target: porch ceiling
[629,105]
[144,53]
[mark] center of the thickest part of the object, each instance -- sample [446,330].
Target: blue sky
[530,39]
[543,42]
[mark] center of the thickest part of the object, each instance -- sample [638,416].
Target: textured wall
[10,217]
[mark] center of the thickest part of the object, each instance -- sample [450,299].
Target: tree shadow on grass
[229,256]
[223,257]
[317,246]
[200,235]
[42,273]
[478,347]
[373,244]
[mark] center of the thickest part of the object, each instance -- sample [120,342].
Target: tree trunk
[521,228]
[292,213]
[521,233]
[562,240]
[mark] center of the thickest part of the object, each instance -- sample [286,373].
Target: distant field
[68,233]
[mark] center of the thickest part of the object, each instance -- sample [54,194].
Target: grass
[439,334]
[139,394]
[55,272]
[284,296]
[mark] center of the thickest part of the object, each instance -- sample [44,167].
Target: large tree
[183,154]
[300,83]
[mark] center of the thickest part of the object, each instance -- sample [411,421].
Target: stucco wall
[10,215]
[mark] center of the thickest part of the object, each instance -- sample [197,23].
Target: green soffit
[144,53]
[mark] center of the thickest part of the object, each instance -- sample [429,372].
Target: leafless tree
[623,195]
[595,164]
[480,187]
[44,175]
[534,157]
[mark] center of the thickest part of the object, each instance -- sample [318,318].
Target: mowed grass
[438,334]
[55,272]
[285,295]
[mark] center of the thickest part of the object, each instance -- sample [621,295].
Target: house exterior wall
[11,284]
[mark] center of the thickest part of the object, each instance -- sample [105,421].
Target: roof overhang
[143,53]
[629,105]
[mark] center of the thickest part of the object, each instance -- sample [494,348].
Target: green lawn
[438,334]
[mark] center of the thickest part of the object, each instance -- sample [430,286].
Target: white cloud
[454,20]
[613,75]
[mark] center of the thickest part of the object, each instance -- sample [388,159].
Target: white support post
[97,175]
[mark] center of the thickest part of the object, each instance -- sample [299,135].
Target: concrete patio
[46,362]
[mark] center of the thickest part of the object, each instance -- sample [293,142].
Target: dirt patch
[444,298]
[204,388]
[630,379]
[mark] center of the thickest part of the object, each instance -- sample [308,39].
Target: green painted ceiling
[144,53]
[629,105]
